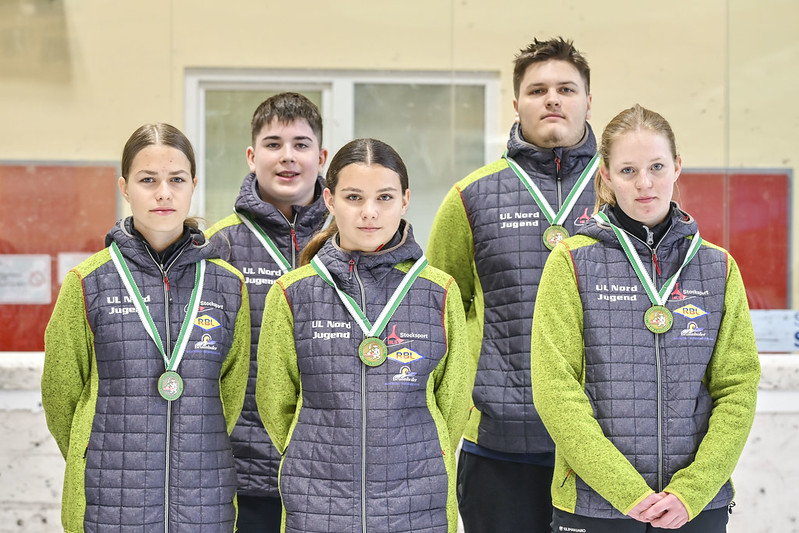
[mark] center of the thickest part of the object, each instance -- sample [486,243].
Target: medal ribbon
[267,243]
[144,315]
[560,217]
[657,298]
[372,330]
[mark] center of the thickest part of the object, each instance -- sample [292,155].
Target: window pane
[439,130]
[227,136]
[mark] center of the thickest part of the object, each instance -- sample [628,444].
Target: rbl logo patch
[206,322]
[690,311]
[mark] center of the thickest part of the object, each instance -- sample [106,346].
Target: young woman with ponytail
[363,372]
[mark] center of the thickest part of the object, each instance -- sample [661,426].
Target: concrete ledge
[21,370]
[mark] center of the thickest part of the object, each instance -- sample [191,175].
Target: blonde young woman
[146,359]
[648,392]
[363,370]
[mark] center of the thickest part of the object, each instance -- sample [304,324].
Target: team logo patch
[693,331]
[405,356]
[206,343]
[691,311]
[393,338]
[405,376]
[206,322]
[583,219]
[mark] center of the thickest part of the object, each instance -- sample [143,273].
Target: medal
[170,384]
[555,232]
[658,319]
[372,351]
[553,235]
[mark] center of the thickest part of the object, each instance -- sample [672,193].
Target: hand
[644,506]
[668,513]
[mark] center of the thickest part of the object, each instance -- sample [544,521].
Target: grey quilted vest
[365,454]
[257,460]
[509,255]
[646,389]
[167,465]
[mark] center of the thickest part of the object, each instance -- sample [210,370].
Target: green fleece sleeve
[68,354]
[451,245]
[732,377]
[454,377]
[278,389]
[558,381]
[236,367]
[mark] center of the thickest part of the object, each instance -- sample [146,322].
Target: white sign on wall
[25,279]
[776,330]
[68,261]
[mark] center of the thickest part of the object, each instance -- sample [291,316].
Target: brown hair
[553,49]
[159,133]
[366,152]
[164,134]
[286,108]
[632,119]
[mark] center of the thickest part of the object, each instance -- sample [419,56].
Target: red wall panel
[50,209]
[748,214]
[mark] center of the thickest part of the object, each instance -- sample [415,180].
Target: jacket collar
[682,226]
[372,267]
[306,217]
[540,162]
[190,248]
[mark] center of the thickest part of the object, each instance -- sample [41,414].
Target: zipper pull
[650,237]
[655,259]
[557,164]
[352,266]
[168,292]
[294,239]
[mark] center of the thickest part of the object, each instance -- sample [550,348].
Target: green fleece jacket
[318,400]
[72,376]
[559,383]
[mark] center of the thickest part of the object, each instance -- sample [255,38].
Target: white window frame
[338,102]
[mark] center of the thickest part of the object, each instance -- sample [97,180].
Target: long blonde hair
[632,119]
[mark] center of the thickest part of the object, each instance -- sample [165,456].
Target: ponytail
[604,194]
[316,243]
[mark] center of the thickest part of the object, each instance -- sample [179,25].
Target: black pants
[500,496]
[714,521]
[259,515]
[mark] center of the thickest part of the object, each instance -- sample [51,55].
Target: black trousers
[714,521]
[500,496]
[259,515]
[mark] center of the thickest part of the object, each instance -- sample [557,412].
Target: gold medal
[553,235]
[658,319]
[170,385]
[372,351]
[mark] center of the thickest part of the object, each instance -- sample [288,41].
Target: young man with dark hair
[280,206]
[493,233]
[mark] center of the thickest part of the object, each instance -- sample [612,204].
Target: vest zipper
[558,180]
[168,350]
[296,247]
[363,408]
[659,371]
[650,240]
[168,436]
[655,274]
